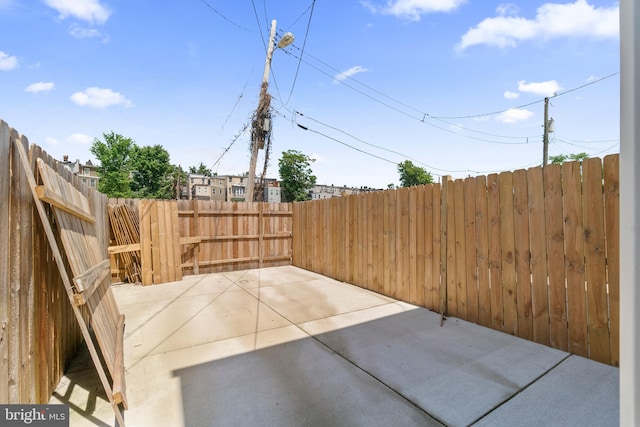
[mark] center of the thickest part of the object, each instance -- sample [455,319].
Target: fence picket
[595,252]
[522,254]
[612,230]
[538,256]
[574,258]
[470,249]
[495,255]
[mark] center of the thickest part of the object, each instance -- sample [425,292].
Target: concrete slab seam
[535,380]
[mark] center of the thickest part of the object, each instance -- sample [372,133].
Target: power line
[377,146]
[304,43]
[224,17]
[233,141]
[423,117]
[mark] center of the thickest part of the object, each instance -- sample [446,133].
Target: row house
[319,192]
[87,172]
[232,188]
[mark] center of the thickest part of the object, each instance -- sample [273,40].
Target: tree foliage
[296,175]
[152,173]
[561,158]
[127,170]
[114,155]
[411,174]
[201,169]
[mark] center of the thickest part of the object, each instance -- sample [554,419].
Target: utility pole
[545,136]
[257,132]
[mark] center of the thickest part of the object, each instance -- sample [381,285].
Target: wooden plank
[154,238]
[460,250]
[119,249]
[390,223]
[595,260]
[119,386]
[482,251]
[145,242]
[413,246]
[574,258]
[427,286]
[420,249]
[495,252]
[5,254]
[175,239]
[190,240]
[470,249]
[49,196]
[538,256]
[196,232]
[554,225]
[612,229]
[90,280]
[522,254]
[452,298]
[507,247]
[437,247]
[444,206]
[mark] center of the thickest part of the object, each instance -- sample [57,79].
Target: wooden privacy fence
[38,330]
[534,253]
[195,237]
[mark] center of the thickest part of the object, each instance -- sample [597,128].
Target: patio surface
[284,346]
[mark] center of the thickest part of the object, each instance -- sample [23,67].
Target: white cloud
[548,88]
[90,11]
[96,97]
[514,115]
[507,9]
[511,95]
[414,9]
[86,33]
[553,20]
[79,138]
[7,62]
[40,87]
[350,72]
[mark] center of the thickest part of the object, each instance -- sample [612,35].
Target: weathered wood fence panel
[533,253]
[39,334]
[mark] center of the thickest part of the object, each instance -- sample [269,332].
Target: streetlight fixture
[261,124]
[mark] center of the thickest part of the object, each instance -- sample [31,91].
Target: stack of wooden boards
[125,236]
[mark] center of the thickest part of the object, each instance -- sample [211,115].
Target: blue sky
[456,86]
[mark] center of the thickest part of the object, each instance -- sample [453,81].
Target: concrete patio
[286,347]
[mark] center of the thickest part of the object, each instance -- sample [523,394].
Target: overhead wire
[304,43]
[423,117]
[224,17]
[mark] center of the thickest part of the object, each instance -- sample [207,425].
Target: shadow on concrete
[83,374]
[400,370]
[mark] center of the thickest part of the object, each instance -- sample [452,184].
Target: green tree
[561,158]
[114,155]
[201,169]
[153,174]
[296,175]
[411,174]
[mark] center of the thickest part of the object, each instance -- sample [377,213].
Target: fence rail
[39,333]
[533,253]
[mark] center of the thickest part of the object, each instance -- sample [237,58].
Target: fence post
[443,248]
